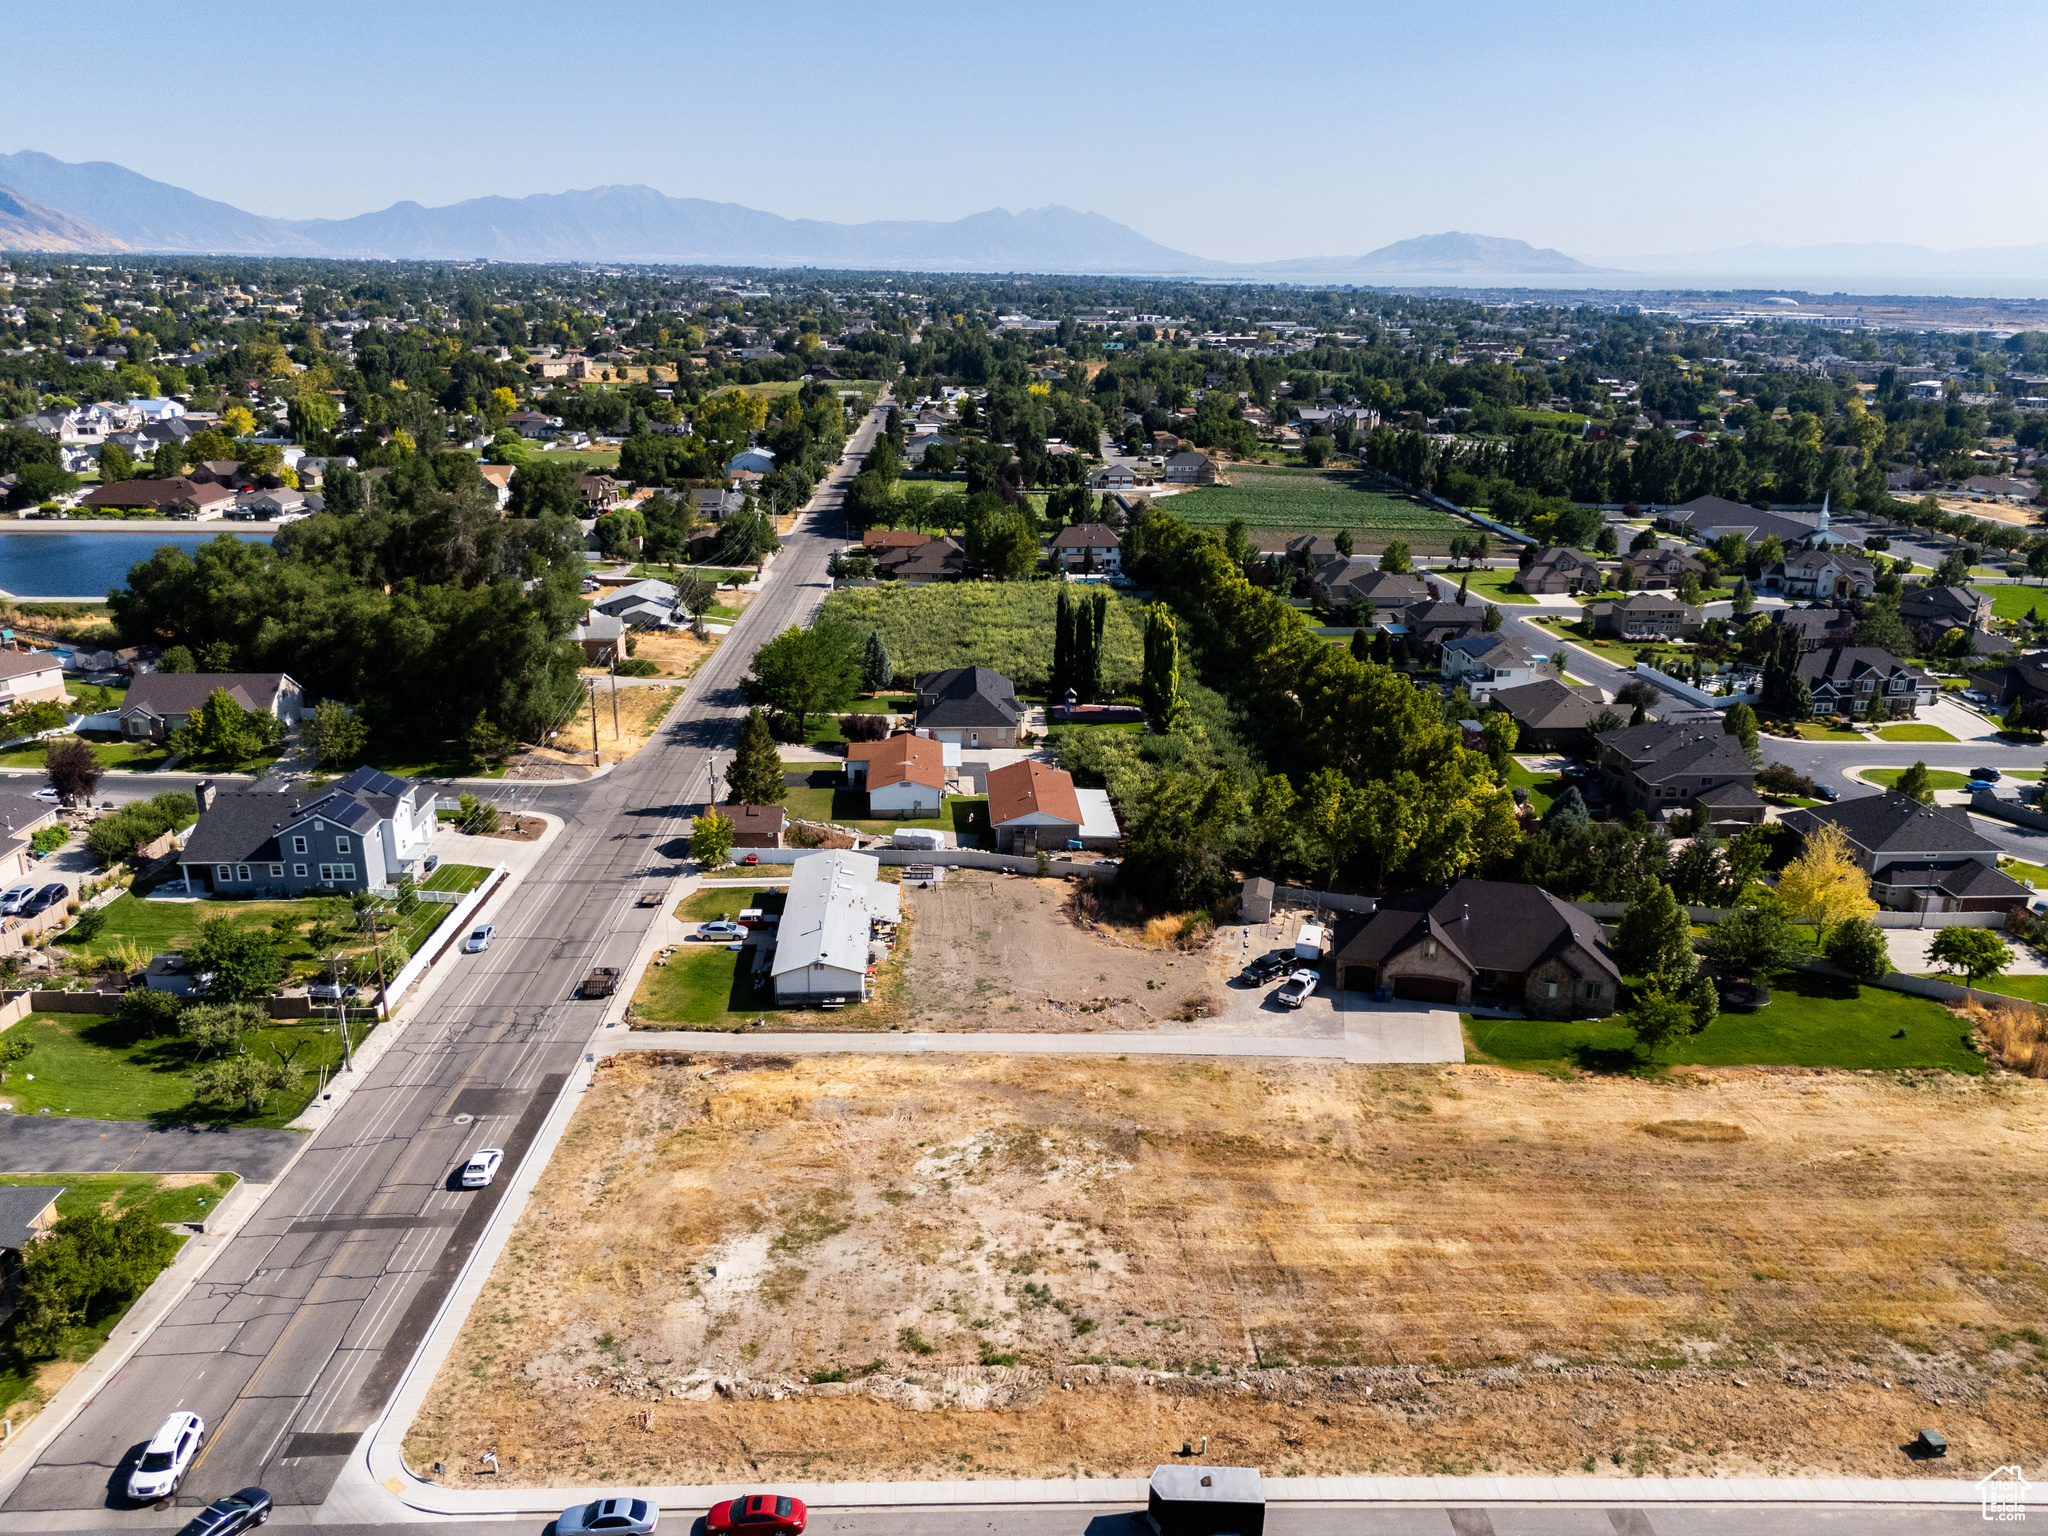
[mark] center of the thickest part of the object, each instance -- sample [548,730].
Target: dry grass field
[859,1267]
[640,712]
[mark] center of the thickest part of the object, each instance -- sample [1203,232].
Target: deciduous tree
[1976,952]
[1825,885]
[711,839]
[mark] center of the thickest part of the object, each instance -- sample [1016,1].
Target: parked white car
[167,1457]
[480,940]
[482,1167]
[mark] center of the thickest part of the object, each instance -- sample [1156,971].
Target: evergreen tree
[1097,620]
[755,775]
[1361,649]
[1159,688]
[1063,648]
[1653,941]
[877,671]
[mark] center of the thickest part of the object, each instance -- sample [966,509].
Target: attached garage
[1361,978]
[1426,989]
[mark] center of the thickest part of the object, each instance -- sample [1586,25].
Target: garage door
[1426,989]
[1360,978]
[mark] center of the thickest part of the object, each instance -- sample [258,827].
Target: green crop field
[1005,626]
[1311,500]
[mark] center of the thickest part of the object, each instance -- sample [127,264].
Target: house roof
[164,694]
[1897,824]
[599,626]
[934,557]
[1030,788]
[243,827]
[20,1206]
[1815,622]
[827,917]
[1658,750]
[1491,925]
[1647,602]
[1956,605]
[1085,536]
[894,538]
[1548,704]
[1840,664]
[1810,563]
[966,697]
[755,818]
[1710,512]
[1959,878]
[901,759]
[27,663]
[1497,649]
[157,493]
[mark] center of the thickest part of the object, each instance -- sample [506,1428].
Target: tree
[1858,947]
[877,671]
[1491,621]
[1745,600]
[1916,783]
[1654,938]
[85,1269]
[1346,545]
[218,1029]
[335,734]
[1395,557]
[1976,952]
[1752,941]
[478,817]
[250,1079]
[486,742]
[1882,627]
[116,464]
[241,961]
[1740,722]
[804,672]
[1501,735]
[72,768]
[1159,686]
[1825,885]
[1656,1018]
[755,775]
[711,840]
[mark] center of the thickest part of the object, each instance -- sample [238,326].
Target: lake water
[84,564]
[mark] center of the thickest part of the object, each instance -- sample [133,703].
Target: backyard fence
[957,858]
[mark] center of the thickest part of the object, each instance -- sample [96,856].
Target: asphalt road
[61,1144]
[295,1338]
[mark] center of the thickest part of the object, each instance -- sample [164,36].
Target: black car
[44,899]
[1827,792]
[242,1511]
[1991,775]
[1264,969]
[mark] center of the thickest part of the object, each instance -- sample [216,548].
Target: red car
[771,1514]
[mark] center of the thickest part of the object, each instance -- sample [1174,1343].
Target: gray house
[157,703]
[360,833]
[639,604]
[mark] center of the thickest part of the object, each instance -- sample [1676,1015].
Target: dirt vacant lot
[1007,952]
[859,1267]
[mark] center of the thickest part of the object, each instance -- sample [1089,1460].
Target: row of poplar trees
[1077,645]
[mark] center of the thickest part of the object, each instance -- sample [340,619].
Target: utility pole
[614,672]
[594,759]
[383,1000]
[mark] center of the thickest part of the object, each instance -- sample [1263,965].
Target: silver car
[618,1515]
[11,900]
[480,940]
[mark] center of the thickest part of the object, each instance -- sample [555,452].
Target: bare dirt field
[857,1267]
[1011,952]
[676,651]
[639,714]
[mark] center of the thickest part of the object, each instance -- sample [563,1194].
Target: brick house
[1920,858]
[1485,943]
[1661,768]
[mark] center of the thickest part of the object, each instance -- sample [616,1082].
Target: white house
[1486,662]
[903,776]
[827,936]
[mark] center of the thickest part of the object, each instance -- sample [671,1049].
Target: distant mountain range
[48,204]
[27,225]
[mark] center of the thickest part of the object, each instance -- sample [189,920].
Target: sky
[1242,133]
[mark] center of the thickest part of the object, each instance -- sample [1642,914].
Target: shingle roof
[1659,750]
[966,697]
[1548,704]
[1085,536]
[27,663]
[1896,824]
[900,760]
[1492,925]
[1031,788]
[1840,664]
[21,1204]
[164,694]
[242,827]
[1959,877]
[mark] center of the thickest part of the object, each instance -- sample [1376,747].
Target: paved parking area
[59,1144]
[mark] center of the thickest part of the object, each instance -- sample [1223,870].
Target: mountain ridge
[27,225]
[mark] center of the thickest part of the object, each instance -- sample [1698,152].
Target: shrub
[116,837]
[637,666]
[860,727]
[50,839]
[90,925]
[150,1013]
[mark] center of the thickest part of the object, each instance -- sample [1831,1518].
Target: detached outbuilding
[1206,1501]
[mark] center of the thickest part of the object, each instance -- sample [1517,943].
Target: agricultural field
[1315,501]
[854,1267]
[1006,626]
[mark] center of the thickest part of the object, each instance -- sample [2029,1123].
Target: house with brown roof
[1657,570]
[1554,716]
[755,826]
[1033,806]
[1645,616]
[1558,569]
[1086,549]
[1483,943]
[176,497]
[1818,628]
[1662,768]
[876,540]
[1943,608]
[903,776]
[31,677]
[920,564]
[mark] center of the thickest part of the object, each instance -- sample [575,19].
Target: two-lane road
[291,1344]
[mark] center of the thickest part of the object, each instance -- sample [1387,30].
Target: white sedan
[482,1167]
[166,1457]
[480,940]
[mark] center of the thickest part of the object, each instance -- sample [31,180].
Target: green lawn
[701,983]
[1811,1021]
[119,1193]
[1543,788]
[1489,584]
[722,575]
[2033,988]
[1304,500]
[1937,778]
[2012,602]
[1913,733]
[111,750]
[1809,730]
[2019,871]
[429,760]
[964,815]
[92,1065]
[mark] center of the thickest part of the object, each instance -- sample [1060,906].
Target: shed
[1255,905]
[1206,1501]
